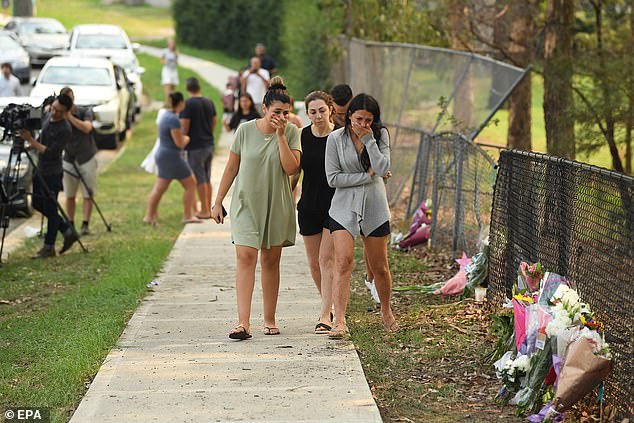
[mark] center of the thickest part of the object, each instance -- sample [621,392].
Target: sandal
[240,333]
[195,220]
[337,333]
[271,330]
[322,328]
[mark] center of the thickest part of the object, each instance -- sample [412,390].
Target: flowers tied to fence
[559,352]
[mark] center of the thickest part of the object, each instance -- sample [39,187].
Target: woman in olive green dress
[265,153]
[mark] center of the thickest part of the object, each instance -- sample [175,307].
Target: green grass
[138,21]
[432,369]
[152,85]
[215,56]
[60,317]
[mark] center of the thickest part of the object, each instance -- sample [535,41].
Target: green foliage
[399,21]
[305,35]
[232,27]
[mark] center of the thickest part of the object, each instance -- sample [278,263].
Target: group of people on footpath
[344,156]
[66,160]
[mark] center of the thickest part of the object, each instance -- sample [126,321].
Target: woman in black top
[315,201]
[246,112]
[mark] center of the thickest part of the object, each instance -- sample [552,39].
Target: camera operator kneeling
[56,133]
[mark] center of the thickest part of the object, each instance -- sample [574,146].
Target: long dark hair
[238,115]
[176,98]
[369,104]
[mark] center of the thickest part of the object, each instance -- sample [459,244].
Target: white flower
[570,298]
[521,363]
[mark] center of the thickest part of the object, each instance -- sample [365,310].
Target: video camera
[16,117]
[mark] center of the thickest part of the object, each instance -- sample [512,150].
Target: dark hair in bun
[276,92]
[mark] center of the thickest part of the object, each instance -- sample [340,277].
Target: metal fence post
[458,212]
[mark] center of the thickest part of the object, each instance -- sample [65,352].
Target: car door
[124,97]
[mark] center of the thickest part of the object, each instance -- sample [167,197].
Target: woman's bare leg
[344,259]
[376,253]
[326,266]
[312,244]
[270,262]
[246,260]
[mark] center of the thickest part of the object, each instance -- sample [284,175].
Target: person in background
[80,156]
[56,133]
[5,8]
[169,72]
[255,81]
[9,83]
[314,203]
[199,120]
[357,156]
[171,163]
[293,117]
[341,94]
[265,60]
[265,152]
[246,112]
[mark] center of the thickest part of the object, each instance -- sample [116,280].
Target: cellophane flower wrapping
[559,341]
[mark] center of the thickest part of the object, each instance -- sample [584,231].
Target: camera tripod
[78,175]
[10,191]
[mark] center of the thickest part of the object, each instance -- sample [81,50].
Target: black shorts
[312,223]
[379,232]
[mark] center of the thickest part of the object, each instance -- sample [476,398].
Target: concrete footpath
[175,363]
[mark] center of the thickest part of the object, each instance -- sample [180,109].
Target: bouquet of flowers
[559,342]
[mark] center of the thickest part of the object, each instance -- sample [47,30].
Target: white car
[95,82]
[110,42]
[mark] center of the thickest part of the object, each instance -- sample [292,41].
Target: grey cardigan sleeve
[379,156]
[335,175]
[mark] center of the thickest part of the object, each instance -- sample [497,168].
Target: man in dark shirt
[198,121]
[56,133]
[80,157]
[341,94]
[265,60]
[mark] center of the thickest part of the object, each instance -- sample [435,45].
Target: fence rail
[578,220]
[427,93]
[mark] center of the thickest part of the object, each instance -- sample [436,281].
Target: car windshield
[61,75]
[95,41]
[8,43]
[45,27]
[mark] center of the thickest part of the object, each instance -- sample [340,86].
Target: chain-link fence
[578,220]
[424,91]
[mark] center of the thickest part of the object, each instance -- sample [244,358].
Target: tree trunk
[558,101]
[630,111]
[22,8]
[610,121]
[461,40]
[501,39]
[521,50]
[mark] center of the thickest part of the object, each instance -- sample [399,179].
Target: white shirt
[255,85]
[9,87]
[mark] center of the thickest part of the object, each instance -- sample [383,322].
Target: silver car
[42,38]
[110,42]
[12,52]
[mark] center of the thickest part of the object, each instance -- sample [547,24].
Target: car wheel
[106,142]
[122,135]
[26,209]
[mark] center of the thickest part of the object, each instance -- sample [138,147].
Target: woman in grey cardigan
[357,157]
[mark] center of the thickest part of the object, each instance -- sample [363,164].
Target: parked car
[42,38]
[111,42]
[21,187]
[95,82]
[12,52]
